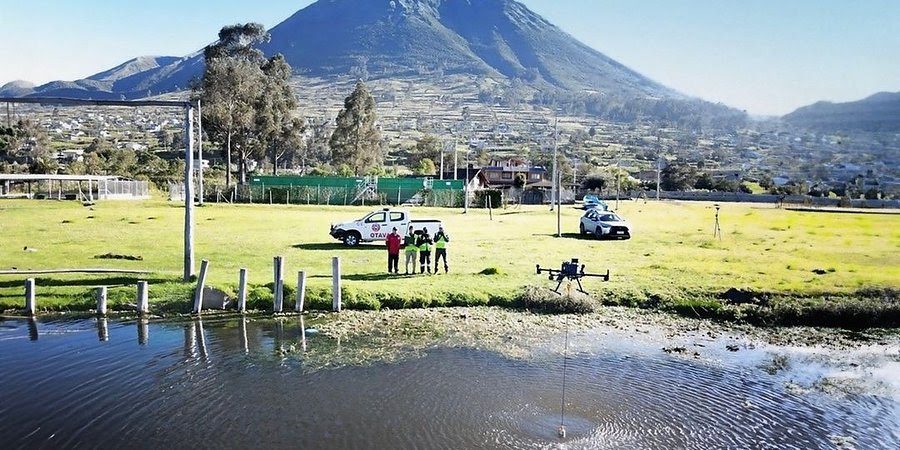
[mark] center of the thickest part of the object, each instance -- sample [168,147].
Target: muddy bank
[805,358]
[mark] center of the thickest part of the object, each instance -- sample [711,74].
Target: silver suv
[604,224]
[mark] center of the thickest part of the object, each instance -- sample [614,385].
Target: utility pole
[443,149]
[558,207]
[189,193]
[466,200]
[618,174]
[8,122]
[200,153]
[554,191]
[658,176]
[455,160]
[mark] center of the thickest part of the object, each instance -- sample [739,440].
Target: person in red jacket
[393,247]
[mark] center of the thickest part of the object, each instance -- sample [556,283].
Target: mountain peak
[396,38]
[482,37]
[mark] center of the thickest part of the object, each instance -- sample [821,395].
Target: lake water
[260,384]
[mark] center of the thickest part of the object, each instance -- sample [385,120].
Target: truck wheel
[351,239]
[581,228]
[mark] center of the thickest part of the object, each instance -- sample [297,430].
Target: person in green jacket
[424,243]
[410,249]
[440,247]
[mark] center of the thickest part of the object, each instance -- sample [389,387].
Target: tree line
[250,110]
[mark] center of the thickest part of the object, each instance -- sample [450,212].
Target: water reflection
[201,339]
[279,338]
[170,395]
[302,334]
[102,329]
[242,329]
[32,329]
[143,330]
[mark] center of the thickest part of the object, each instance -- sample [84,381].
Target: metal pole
[558,209]
[443,148]
[189,194]
[658,177]
[618,174]
[455,160]
[200,152]
[554,191]
[466,200]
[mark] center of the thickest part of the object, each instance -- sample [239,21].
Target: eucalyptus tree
[356,141]
[278,128]
[248,102]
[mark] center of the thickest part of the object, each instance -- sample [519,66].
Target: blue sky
[765,56]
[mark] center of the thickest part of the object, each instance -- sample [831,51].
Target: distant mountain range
[879,112]
[393,38]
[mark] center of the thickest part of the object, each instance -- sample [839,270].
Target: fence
[726,197]
[123,190]
[335,191]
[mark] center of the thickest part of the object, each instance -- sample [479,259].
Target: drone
[570,271]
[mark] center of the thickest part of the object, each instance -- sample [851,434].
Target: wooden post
[30,305]
[201,284]
[489,205]
[101,294]
[336,284]
[143,297]
[301,291]
[189,193]
[278,285]
[242,291]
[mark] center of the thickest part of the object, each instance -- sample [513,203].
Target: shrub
[491,271]
[544,300]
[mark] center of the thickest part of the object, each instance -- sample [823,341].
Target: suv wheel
[351,239]
[581,229]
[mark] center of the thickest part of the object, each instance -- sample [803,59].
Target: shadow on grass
[370,276]
[99,281]
[580,237]
[331,246]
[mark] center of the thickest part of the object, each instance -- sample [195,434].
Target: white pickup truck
[376,225]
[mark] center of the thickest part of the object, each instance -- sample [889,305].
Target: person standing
[440,248]
[424,243]
[393,247]
[410,248]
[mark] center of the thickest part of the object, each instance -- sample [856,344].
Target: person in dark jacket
[424,243]
[393,247]
[440,247]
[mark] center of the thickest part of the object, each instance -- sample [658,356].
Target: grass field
[671,260]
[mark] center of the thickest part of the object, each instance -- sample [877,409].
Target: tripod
[717,231]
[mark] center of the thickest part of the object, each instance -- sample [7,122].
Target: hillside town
[441,121]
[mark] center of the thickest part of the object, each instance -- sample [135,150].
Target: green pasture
[672,257]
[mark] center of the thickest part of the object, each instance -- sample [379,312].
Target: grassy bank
[771,266]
